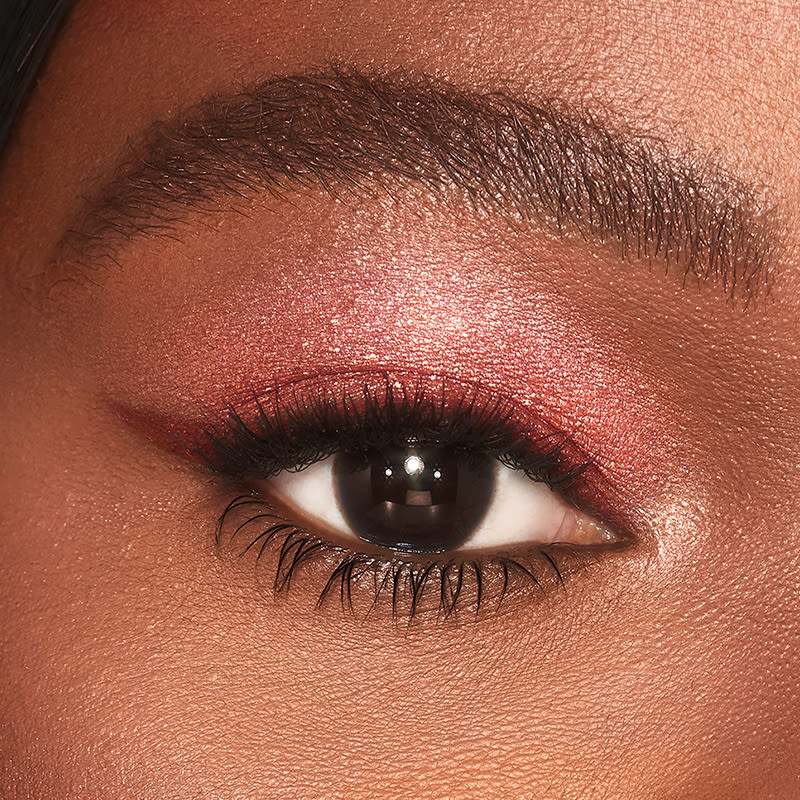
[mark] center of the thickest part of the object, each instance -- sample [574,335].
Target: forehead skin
[719,75]
[150,671]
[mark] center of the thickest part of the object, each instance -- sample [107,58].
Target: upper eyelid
[189,437]
[431,397]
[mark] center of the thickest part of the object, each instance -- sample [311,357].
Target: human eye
[416,493]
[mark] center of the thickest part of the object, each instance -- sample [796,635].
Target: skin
[138,660]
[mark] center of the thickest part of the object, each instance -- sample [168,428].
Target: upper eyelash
[291,433]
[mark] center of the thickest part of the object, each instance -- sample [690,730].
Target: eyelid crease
[422,400]
[357,134]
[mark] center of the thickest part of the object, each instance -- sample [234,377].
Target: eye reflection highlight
[414,465]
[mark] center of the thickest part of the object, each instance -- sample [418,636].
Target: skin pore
[141,658]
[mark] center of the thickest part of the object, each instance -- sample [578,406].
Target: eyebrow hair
[351,133]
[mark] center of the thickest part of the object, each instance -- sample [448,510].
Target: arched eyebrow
[558,168]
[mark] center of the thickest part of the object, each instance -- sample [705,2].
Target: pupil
[413,498]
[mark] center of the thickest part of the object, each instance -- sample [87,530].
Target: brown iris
[413,498]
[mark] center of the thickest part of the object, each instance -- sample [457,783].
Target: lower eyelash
[365,582]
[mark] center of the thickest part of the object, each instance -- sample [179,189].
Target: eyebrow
[560,168]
